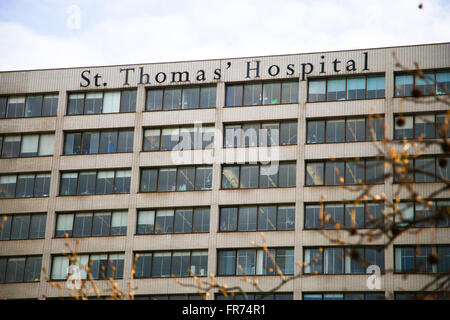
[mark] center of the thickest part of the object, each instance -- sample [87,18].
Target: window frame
[272,250]
[343,226]
[262,83]
[414,74]
[277,205]
[342,174]
[259,175]
[39,134]
[260,124]
[7,258]
[153,252]
[96,180]
[198,132]
[346,77]
[434,249]
[35,174]
[11,217]
[414,116]
[346,251]
[74,213]
[89,255]
[176,178]
[136,233]
[367,136]
[200,87]
[84,93]
[41,115]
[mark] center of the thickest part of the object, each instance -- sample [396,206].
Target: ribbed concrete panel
[24,125]
[92,162]
[338,150]
[35,164]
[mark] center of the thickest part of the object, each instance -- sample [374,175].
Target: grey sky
[46,34]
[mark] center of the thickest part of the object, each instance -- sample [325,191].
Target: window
[413,259]
[331,215]
[317,90]
[101,102]
[375,87]
[345,172]
[426,126]
[426,169]
[108,141]
[431,213]
[255,94]
[287,175]
[3,107]
[151,139]
[111,102]
[342,260]
[186,220]
[30,145]
[427,295]
[356,88]
[255,261]
[344,296]
[24,185]
[314,173]
[181,98]
[249,176]
[336,89]
[252,94]
[101,266]
[442,82]
[86,182]
[11,147]
[20,269]
[315,131]
[350,88]
[184,138]
[20,227]
[261,218]
[288,133]
[176,179]
[122,181]
[75,105]
[128,101]
[270,134]
[345,130]
[171,263]
[203,178]
[95,182]
[258,176]
[92,142]
[429,83]
[167,179]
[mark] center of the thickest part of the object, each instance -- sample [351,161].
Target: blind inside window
[119,219]
[65,222]
[46,144]
[30,143]
[111,102]
[146,217]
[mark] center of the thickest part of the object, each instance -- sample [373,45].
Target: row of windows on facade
[347,295]
[231,219]
[351,172]
[330,173]
[236,135]
[261,93]
[232,262]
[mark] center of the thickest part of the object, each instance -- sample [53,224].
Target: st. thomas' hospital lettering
[253,70]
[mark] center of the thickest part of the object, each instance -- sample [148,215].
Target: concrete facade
[236,70]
